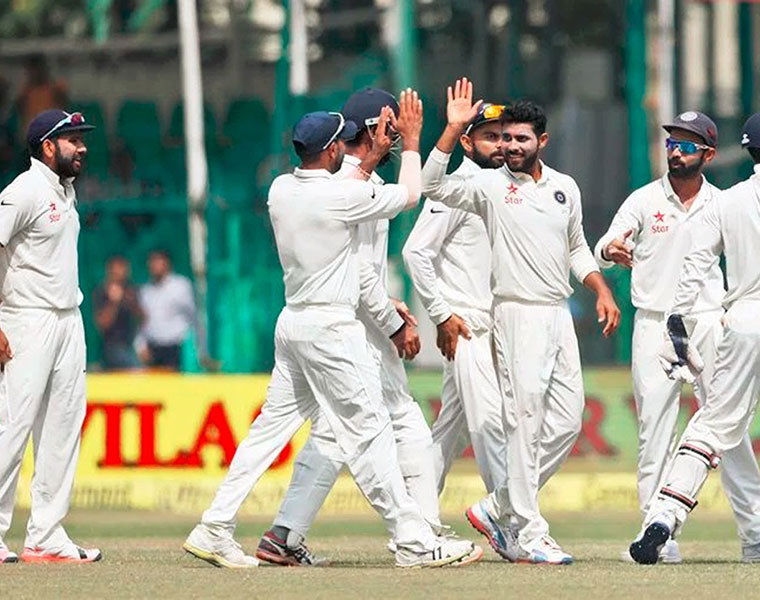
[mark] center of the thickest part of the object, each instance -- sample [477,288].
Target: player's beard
[679,170]
[66,166]
[336,165]
[523,162]
[488,161]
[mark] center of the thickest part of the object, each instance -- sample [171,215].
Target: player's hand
[409,122]
[619,250]
[403,310]
[608,313]
[407,342]
[460,109]
[5,350]
[382,140]
[678,357]
[448,335]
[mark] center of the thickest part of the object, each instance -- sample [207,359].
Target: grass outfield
[143,559]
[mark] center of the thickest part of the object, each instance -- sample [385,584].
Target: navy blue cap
[751,132]
[317,130]
[487,113]
[52,123]
[363,107]
[698,123]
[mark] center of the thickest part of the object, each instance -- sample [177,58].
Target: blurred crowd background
[608,72]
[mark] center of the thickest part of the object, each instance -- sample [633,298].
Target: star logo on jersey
[54,216]
[659,217]
[512,197]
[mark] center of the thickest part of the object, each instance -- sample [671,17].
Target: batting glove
[678,357]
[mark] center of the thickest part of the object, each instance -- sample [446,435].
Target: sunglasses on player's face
[684,147]
[75,119]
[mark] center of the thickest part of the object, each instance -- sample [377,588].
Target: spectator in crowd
[118,315]
[40,91]
[169,308]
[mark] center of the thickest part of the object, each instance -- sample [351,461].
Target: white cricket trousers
[319,462]
[42,394]
[721,425]
[657,406]
[539,371]
[323,364]
[471,402]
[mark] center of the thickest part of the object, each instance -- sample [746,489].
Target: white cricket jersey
[535,228]
[375,308]
[314,216]
[448,256]
[731,225]
[662,237]
[39,228]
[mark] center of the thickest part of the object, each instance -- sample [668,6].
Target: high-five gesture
[381,144]
[460,110]
[409,122]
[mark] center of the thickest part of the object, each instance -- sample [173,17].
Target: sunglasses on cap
[486,112]
[75,119]
[684,147]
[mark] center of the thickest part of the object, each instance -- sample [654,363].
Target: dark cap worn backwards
[315,131]
[52,123]
[363,107]
[698,123]
[751,132]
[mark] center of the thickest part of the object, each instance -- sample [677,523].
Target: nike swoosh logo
[4,203]
[373,193]
[435,212]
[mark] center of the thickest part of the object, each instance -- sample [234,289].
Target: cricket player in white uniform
[323,363]
[448,257]
[318,464]
[42,346]
[534,220]
[650,234]
[731,225]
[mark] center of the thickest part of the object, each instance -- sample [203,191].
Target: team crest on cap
[688,116]
[745,139]
[560,197]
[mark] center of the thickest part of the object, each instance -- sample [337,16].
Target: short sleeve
[367,202]
[16,213]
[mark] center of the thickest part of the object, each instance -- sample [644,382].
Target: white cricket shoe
[6,556]
[502,539]
[670,554]
[445,553]
[71,554]
[219,550]
[545,551]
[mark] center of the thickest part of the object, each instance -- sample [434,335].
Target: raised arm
[453,192]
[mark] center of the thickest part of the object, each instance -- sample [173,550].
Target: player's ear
[48,148]
[710,153]
[543,139]
[466,142]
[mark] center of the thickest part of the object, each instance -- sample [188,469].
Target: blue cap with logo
[52,123]
[751,132]
[695,122]
[315,131]
[363,107]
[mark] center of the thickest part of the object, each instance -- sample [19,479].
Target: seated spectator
[40,91]
[169,308]
[117,315]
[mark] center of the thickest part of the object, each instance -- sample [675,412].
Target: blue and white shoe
[545,551]
[646,549]
[503,541]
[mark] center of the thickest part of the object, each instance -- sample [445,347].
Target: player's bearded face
[685,166]
[521,147]
[487,150]
[70,153]
[337,156]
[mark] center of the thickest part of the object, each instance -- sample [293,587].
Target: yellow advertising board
[164,441]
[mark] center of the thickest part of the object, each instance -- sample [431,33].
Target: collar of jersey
[756,168]
[312,173]
[468,166]
[354,161]
[50,175]
[525,178]
[671,195]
